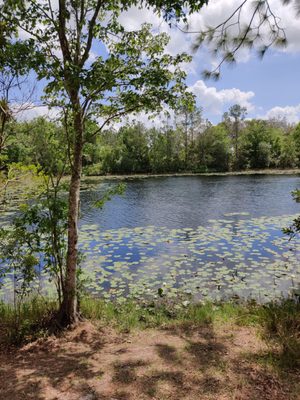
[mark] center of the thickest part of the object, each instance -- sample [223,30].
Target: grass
[27,321]
[277,323]
[281,325]
[134,315]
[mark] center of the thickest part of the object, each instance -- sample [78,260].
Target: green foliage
[296,195]
[214,149]
[36,240]
[27,321]
[39,142]
[241,30]
[296,143]
[135,74]
[260,145]
[140,315]
[109,193]
[21,182]
[134,149]
[288,156]
[294,229]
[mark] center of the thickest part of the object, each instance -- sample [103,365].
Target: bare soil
[91,363]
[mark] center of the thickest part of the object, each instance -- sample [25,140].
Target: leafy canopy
[81,48]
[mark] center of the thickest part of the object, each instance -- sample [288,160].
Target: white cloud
[213,101]
[290,113]
[179,42]
[28,111]
[211,15]
[148,120]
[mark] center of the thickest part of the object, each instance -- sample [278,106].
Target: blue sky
[274,81]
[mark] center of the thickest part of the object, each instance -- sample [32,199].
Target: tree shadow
[125,372]
[54,365]
[189,329]
[259,383]
[210,385]
[90,339]
[149,384]
[206,354]
[201,352]
[168,353]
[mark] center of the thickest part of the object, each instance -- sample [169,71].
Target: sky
[267,88]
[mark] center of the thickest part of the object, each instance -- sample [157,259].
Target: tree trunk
[69,312]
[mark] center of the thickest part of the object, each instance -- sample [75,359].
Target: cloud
[214,101]
[179,42]
[290,113]
[29,111]
[149,120]
[212,15]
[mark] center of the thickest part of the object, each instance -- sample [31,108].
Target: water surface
[180,202]
[207,236]
[204,236]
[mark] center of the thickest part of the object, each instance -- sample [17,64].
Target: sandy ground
[92,363]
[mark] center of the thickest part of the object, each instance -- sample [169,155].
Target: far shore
[179,174]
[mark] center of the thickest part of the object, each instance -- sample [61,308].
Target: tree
[233,119]
[5,117]
[166,152]
[15,63]
[288,156]
[261,146]
[296,138]
[191,122]
[135,157]
[213,149]
[134,75]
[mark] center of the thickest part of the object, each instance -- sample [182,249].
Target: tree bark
[69,312]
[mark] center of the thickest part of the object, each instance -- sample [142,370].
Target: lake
[195,236]
[205,236]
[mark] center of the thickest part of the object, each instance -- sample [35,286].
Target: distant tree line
[191,144]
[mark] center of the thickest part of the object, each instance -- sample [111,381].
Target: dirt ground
[91,363]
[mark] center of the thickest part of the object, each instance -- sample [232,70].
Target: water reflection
[178,202]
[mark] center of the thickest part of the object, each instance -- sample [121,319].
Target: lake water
[201,236]
[188,202]
[205,236]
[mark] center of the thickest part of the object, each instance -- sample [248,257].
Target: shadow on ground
[90,364]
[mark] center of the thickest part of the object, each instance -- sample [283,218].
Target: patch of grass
[136,315]
[27,321]
[127,316]
[280,325]
[265,359]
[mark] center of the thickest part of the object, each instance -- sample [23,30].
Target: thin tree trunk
[69,309]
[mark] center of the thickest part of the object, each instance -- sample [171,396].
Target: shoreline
[189,174]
